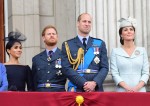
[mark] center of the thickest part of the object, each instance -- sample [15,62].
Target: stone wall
[31,16]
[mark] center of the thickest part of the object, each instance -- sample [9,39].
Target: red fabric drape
[68,99]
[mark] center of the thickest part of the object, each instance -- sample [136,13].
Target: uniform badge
[48,59]
[137,52]
[96,60]
[96,50]
[58,63]
[59,73]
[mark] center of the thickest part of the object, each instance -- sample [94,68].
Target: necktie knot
[84,42]
[50,53]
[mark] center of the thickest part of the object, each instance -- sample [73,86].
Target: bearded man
[46,66]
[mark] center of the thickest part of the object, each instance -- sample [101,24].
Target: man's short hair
[79,17]
[47,27]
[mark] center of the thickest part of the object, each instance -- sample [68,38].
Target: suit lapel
[89,43]
[56,55]
[78,42]
[43,56]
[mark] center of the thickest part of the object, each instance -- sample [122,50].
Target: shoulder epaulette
[97,38]
[71,39]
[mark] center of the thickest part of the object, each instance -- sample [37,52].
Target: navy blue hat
[15,36]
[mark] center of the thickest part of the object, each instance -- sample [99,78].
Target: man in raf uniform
[46,67]
[84,58]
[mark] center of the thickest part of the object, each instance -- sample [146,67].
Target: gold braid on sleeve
[78,60]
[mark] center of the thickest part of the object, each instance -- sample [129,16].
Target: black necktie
[50,53]
[84,43]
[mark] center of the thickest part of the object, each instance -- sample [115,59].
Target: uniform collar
[81,37]
[54,49]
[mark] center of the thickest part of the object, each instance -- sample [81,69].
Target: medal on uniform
[96,50]
[48,59]
[58,63]
[59,72]
[137,52]
[96,60]
[56,66]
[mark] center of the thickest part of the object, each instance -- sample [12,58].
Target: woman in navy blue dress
[19,76]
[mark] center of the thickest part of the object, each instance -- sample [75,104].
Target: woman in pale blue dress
[129,63]
[3,78]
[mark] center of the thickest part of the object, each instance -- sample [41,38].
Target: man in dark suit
[84,58]
[46,67]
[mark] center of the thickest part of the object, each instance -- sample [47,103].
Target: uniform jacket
[3,78]
[102,66]
[130,69]
[44,71]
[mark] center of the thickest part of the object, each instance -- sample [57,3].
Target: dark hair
[120,32]
[12,38]
[10,44]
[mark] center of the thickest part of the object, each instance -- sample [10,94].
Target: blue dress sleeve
[3,75]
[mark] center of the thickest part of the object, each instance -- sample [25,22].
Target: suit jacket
[44,71]
[102,66]
[130,69]
[3,78]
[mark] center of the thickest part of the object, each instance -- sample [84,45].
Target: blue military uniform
[97,69]
[47,75]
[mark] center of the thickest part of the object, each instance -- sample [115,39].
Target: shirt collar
[54,49]
[81,37]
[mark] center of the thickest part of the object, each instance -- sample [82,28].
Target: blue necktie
[84,43]
[50,53]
